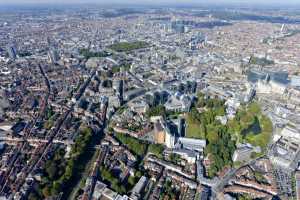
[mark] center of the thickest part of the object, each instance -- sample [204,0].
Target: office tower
[12,52]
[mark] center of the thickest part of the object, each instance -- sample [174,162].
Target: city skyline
[149,100]
[157,2]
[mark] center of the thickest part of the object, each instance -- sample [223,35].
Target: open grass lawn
[193,129]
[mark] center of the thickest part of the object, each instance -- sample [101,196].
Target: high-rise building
[169,140]
[181,127]
[118,86]
[178,27]
[12,52]
[164,96]
[169,137]
[159,133]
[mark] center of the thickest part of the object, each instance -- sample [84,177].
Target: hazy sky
[152,1]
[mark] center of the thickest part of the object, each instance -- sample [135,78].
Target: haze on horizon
[154,2]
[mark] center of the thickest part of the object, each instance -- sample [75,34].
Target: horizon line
[211,3]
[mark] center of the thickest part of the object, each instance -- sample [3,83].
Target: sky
[150,1]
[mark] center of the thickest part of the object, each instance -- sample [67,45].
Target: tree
[46,191]
[159,110]
[88,54]
[51,170]
[128,46]
[156,149]
[55,189]
[174,158]
[33,196]
[138,174]
[254,108]
[61,172]
[138,147]
[131,180]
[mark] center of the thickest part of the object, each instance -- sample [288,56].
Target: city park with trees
[249,125]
